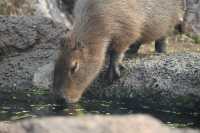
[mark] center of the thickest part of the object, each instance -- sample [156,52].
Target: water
[35,103]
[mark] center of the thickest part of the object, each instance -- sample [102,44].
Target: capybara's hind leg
[113,71]
[160,45]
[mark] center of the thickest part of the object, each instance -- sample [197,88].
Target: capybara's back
[146,19]
[116,24]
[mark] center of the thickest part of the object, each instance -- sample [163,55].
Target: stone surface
[58,10]
[161,81]
[192,17]
[26,43]
[93,124]
[43,77]
[4,127]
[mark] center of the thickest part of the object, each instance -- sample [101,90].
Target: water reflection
[36,103]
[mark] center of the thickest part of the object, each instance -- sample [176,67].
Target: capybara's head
[74,69]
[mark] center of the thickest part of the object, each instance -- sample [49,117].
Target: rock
[21,7]
[54,9]
[4,127]
[97,124]
[58,10]
[43,76]
[26,43]
[192,17]
[168,81]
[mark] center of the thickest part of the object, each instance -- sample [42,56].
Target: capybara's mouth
[71,100]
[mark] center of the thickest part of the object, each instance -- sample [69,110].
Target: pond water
[35,103]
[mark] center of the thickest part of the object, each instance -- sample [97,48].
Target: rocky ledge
[92,124]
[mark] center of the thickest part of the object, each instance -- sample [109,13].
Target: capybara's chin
[72,96]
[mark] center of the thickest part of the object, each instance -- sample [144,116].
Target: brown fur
[114,23]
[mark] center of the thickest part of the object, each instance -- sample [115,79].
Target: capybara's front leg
[160,45]
[134,47]
[113,71]
[118,48]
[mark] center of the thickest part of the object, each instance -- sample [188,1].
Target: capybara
[100,25]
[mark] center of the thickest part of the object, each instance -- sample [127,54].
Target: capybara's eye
[74,67]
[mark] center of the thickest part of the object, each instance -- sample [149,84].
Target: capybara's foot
[122,67]
[113,72]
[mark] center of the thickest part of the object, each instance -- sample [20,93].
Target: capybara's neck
[93,59]
[96,50]
[95,37]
